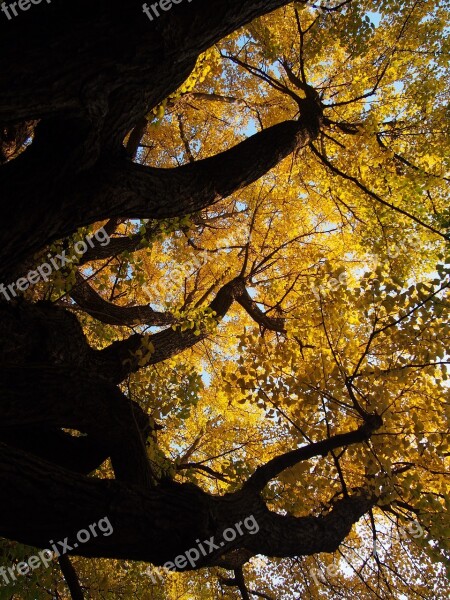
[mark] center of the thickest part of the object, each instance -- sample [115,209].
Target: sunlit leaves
[362,289]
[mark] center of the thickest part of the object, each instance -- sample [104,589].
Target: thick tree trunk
[116,187]
[51,397]
[90,71]
[106,66]
[126,64]
[45,502]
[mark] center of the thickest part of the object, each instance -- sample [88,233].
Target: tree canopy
[225,277]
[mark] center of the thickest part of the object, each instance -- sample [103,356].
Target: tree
[225,287]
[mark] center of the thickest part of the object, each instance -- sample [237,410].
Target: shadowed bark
[118,360]
[89,405]
[107,312]
[80,454]
[76,170]
[160,524]
[89,72]
[118,188]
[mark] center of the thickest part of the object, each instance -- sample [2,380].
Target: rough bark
[90,72]
[127,65]
[124,60]
[119,359]
[157,525]
[118,188]
[41,397]
[80,454]
[107,312]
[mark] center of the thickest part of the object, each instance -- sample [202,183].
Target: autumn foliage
[267,326]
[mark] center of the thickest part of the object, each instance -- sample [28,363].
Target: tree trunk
[90,71]
[45,502]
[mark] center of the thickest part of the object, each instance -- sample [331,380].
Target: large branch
[128,190]
[130,243]
[277,465]
[118,188]
[260,317]
[118,245]
[157,525]
[148,524]
[118,360]
[32,397]
[285,536]
[107,312]
[91,93]
[81,454]
[139,72]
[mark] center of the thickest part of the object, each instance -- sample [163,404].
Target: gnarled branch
[107,312]
[277,465]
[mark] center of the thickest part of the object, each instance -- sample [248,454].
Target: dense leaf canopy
[289,291]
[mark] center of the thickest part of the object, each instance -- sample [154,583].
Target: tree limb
[91,406]
[107,312]
[81,454]
[118,188]
[71,577]
[156,525]
[277,465]
[121,358]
